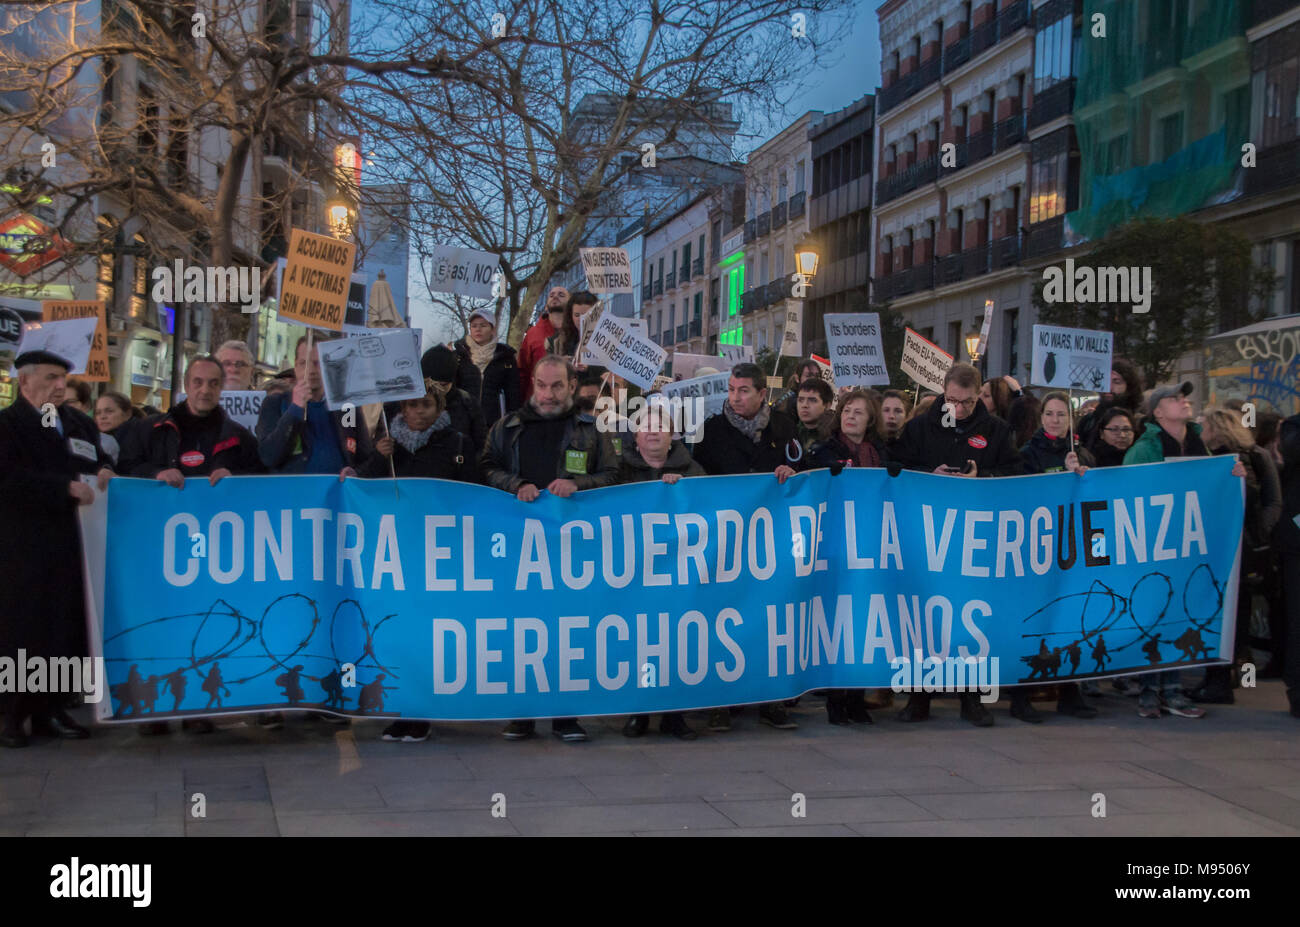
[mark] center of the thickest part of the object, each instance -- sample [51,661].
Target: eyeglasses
[961,404]
[1111,429]
[238,365]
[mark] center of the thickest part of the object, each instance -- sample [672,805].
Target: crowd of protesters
[524,424]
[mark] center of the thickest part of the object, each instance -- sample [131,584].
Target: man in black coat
[749,436]
[44,453]
[957,437]
[1286,538]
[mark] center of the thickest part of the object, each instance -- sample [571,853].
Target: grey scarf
[751,428]
[414,440]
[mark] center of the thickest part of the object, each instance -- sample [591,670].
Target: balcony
[983,37]
[685,273]
[956,54]
[1009,132]
[975,261]
[764,224]
[1277,167]
[697,268]
[1012,19]
[907,87]
[1264,10]
[778,216]
[670,282]
[751,231]
[979,146]
[950,269]
[696,327]
[681,331]
[1006,252]
[659,287]
[779,289]
[1052,103]
[647,290]
[891,188]
[1046,237]
[797,205]
[905,282]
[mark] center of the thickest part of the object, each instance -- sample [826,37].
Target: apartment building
[953,168]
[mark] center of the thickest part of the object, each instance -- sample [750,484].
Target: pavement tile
[480,793]
[396,824]
[706,785]
[987,827]
[1233,822]
[822,810]
[1025,804]
[606,818]
[806,830]
[234,827]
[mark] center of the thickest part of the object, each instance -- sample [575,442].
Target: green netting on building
[1161,109]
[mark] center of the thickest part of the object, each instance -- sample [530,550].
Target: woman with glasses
[1115,434]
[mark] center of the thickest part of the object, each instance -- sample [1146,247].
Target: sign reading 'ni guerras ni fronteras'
[1071,358]
[625,351]
[609,270]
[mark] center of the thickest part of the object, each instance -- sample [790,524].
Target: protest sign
[924,361]
[984,328]
[304,576]
[243,405]
[1071,358]
[383,366]
[711,389]
[608,269]
[586,325]
[735,354]
[625,351]
[317,280]
[58,310]
[685,365]
[824,368]
[71,339]
[792,334]
[463,271]
[857,355]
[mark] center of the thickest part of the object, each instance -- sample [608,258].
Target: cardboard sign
[608,269]
[924,361]
[625,351]
[685,365]
[857,355]
[243,405]
[735,354]
[463,271]
[71,339]
[1071,358]
[59,310]
[586,325]
[984,328]
[711,388]
[317,280]
[792,336]
[383,366]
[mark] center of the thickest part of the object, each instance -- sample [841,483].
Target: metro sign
[27,244]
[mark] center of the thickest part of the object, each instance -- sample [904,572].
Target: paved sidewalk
[1236,772]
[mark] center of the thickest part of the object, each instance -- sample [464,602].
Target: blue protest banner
[452,601]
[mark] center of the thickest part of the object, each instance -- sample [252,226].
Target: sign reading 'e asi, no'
[317,279]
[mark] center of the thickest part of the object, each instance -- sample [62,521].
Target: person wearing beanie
[441,364]
[489,370]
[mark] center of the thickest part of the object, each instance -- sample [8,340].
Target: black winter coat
[724,450]
[499,462]
[235,448]
[634,469]
[40,543]
[1286,536]
[447,455]
[1045,454]
[496,386]
[981,437]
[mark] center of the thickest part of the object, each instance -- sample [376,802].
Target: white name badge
[83,448]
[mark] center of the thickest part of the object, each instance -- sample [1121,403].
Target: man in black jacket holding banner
[957,437]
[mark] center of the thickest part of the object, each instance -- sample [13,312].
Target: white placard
[1071,358]
[824,368]
[984,328]
[243,405]
[792,335]
[685,365]
[379,367]
[735,354]
[70,339]
[924,361]
[711,388]
[608,269]
[625,351]
[857,354]
[463,271]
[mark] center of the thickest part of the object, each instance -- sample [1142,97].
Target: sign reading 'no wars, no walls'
[1071,358]
[317,279]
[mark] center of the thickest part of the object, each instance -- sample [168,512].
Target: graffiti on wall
[1260,367]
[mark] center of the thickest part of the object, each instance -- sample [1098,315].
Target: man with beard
[533,347]
[548,445]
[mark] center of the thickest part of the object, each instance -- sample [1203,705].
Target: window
[762,267]
[140,284]
[699,306]
[1012,329]
[686,260]
[1053,47]
[798,176]
[1048,188]
[1277,85]
[1171,135]
[954,339]
[147,131]
[783,184]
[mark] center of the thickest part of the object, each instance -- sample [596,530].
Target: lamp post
[972,348]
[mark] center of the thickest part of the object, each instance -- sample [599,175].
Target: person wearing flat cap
[45,451]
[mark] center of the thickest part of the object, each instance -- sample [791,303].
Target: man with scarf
[548,445]
[749,436]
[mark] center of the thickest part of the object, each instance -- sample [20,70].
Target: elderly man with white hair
[45,451]
[236,362]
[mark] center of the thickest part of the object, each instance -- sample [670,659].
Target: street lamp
[972,347]
[340,218]
[806,260]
